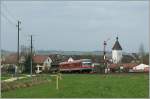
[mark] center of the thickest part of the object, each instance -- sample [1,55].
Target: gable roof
[117,45]
[56,58]
[125,65]
[39,58]
[13,59]
[10,59]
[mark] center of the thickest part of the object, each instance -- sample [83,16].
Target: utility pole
[18,26]
[31,56]
[105,60]
[105,55]
[104,51]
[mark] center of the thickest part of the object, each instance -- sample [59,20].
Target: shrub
[6,86]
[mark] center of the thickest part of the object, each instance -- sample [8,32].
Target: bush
[6,86]
[100,68]
[8,69]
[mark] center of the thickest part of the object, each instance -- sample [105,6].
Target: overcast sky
[76,26]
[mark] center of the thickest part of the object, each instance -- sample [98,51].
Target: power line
[10,15]
[8,11]
[10,21]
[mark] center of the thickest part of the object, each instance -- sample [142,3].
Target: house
[129,67]
[141,68]
[126,67]
[11,61]
[42,62]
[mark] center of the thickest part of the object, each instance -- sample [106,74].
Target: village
[99,64]
[68,49]
[56,65]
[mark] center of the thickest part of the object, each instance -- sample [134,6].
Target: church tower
[117,52]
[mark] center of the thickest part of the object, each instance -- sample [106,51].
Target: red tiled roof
[125,65]
[10,59]
[113,65]
[129,65]
[39,58]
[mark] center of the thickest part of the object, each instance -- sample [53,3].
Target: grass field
[88,86]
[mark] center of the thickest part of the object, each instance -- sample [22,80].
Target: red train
[82,65]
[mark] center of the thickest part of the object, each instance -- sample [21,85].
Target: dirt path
[15,78]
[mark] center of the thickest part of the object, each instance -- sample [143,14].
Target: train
[82,65]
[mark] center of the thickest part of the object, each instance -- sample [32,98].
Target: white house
[117,52]
[140,67]
[39,69]
[42,62]
[47,62]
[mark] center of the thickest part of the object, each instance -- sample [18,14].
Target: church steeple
[117,52]
[117,45]
[117,38]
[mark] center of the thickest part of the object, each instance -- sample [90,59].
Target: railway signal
[105,60]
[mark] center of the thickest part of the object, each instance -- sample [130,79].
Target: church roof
[117,45]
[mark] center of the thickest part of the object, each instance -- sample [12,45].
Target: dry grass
[27,82]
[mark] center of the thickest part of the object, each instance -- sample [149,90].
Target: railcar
[82,65]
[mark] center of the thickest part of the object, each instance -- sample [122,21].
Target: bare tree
[141,52]
[24,50]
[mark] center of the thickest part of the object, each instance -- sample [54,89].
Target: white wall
[48,62]
[116,56]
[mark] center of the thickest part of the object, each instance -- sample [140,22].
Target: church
[117,52]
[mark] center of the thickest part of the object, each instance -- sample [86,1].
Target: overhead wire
[9,20]
[9,12]
[6,13]
[13,21]
[4,6]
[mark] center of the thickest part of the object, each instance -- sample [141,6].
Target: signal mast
[105,59]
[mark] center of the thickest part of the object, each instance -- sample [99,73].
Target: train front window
[86,64]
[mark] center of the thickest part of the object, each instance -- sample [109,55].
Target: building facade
[117,52]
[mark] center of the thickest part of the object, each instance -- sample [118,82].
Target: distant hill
[70,52]
[48,52]
[5,52]
[75,52]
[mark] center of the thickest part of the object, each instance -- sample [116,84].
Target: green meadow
[87,86]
